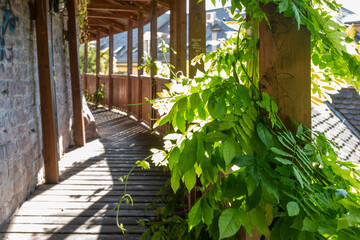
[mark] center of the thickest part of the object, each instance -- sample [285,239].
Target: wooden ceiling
[102,14]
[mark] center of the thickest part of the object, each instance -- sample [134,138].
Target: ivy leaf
[264,135]
[214,137]
[228,152]
[229,222]
[190,179]
[292,208]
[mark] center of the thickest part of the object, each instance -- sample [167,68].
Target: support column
[79,125]
[129,61]
[173,36]
[140,59]
[197,35]
[111,67]
[86,65]
[153,51]
[181,35]
[284,69]
[47,99]
[97,61]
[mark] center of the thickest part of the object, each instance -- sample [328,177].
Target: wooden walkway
[80,206]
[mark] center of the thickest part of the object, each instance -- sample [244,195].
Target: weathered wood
[197,35]
[86,62]
[285,66]
[111,67]
[140,43]
[153,52]
[181,35]
[129,62]
[173,33]
[47,97]
[97,58]
[79,125]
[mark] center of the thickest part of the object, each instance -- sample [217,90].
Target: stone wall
[21,162]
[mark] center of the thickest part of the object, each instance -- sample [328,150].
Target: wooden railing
[126,90]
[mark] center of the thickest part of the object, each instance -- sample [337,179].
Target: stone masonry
[21,162]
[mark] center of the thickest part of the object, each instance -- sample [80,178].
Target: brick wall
[21,162]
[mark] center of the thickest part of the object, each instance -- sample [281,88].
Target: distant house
[340,120]
[215,31]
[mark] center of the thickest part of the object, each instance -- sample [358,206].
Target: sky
[352,5]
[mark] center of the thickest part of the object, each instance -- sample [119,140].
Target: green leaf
[264,135]
[258,218]
[280,152]
[221,108]
[228,152]
[229,222]
[180,122]
[195,215]
[283,161]
[243,160]
[298,176]
[188,156]
[194,100]
[292,208]
[175,179]
[214,137]
[190,179]
[174,157]
[348,220]
[182,106]
[208,211]
[283,5]
[226,125]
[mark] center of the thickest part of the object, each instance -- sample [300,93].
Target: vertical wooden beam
[140,59]
[285,66]
[86,62]
[97,58]
[130,48]
[197,35]
[140,42]
[129,61]
[173,36]
[47,99]
[153,51]
[79,125]
[181,34]
[111,67]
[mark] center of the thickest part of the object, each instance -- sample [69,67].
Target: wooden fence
[126,90]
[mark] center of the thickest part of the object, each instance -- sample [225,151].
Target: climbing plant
[253,171]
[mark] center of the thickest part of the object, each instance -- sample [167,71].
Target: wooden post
[86,65]
[285,66]
[140,42]
[47,99]
[153,51]
[140,59]
[111,67]
[129,62]
[197,35]
[173,36]
[97,61]
[79,125]
[181,35]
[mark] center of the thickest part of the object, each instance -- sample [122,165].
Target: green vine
[287,185]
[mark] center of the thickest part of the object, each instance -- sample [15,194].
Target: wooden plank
[153,53]
[47,99]
[197,35]
[44,236]
[79,125]
[181,34]
[173,33]
[111,67]
[112,7]
[140,61]
[86,63]
[129,63]
[285,66]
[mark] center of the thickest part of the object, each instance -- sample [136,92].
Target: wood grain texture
[47,96]
[79,125]
[285,66]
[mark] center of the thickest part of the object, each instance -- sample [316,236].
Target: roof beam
[116,7]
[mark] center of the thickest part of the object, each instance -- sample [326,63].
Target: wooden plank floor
[79,207]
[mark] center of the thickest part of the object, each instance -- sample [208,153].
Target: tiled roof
[327,120]
[347,102]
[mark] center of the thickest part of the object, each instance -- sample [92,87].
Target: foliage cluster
[254,172]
